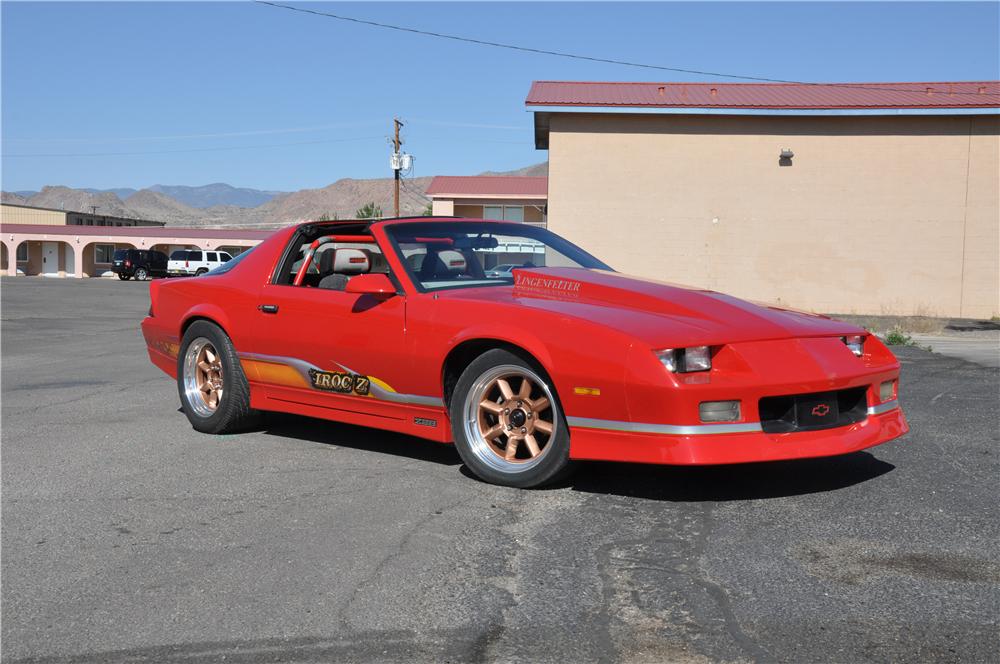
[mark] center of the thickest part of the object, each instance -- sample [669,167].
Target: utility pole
[396,167]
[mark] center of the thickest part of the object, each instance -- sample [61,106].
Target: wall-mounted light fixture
[785,157]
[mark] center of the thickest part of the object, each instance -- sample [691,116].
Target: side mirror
[376,284]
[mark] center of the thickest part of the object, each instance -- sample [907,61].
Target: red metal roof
[484,186]
[137,231]
[827,96]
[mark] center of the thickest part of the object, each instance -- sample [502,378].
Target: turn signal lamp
[886,391]
[856,342]
[685,360]
[719,411]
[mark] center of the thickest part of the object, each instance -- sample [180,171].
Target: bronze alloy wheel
[203,377]
[510,418]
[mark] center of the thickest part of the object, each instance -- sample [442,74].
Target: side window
[194,256]
[212,257]
[299,244]
[224,257]
[103,253]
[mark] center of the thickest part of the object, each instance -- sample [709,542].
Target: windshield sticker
[542,283]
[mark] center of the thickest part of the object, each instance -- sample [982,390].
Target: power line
[406,187]
[417,201]
[240,147]
[577,56]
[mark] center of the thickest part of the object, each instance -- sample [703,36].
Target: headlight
[856,342]
[684,360]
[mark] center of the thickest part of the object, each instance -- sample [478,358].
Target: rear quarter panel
[229,300]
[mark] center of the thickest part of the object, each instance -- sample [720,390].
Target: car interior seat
[338,266]
[443,265]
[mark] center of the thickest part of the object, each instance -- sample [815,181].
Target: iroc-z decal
[334,381]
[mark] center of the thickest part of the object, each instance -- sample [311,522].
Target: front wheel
[507,423]
[140,274]
[214,391]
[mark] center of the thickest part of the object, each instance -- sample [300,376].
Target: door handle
[268,308]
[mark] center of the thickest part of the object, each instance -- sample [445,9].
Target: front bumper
[604,440]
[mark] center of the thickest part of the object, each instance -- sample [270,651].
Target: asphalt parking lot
[128,537]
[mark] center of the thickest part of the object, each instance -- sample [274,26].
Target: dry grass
[905,324]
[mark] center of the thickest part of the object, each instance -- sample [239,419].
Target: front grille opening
[784,414]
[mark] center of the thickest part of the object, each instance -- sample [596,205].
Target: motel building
[869,198]
[59,243]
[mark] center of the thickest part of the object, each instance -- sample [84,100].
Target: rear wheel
[507,423]
[141,274]
[200,272]
[123,276]
[214,391]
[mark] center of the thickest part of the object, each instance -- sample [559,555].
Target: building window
[22,252]
[504,212]
[513,213]
[103,253]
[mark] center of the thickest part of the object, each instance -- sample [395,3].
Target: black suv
[139,263]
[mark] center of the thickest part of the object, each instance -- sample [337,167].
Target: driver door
[330,349]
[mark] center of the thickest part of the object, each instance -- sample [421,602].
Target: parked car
[337,320]
[194,262]
[503,270]
[141,264]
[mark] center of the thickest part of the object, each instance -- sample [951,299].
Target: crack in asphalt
[721,596]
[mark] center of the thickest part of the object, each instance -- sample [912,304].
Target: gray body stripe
[692,429]
[376,390]
[670,429]
[883,407]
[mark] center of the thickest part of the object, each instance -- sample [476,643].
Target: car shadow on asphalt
[773,479]
[358,438]
[749,481]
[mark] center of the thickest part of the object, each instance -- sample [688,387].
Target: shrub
[896,337]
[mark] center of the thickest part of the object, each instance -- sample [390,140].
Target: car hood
[658,313]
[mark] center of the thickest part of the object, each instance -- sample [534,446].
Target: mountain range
[221,204]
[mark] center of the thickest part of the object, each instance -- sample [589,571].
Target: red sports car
[402,324]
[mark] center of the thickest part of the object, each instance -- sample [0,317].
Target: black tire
[480,454]
[141,274]
[122,276]
[232,413]
[200,272]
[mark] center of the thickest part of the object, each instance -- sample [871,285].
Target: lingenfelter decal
[425,422]
[335,381]
[544,283]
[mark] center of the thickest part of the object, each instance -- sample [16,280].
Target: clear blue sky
[169,78]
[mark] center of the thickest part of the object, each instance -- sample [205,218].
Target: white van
[188,262]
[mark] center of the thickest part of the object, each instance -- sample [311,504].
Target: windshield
[120,255]
[462,254]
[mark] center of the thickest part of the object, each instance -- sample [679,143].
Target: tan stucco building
[12,213]
[874,199]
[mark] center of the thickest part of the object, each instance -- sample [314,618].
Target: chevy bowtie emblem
[820,410]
